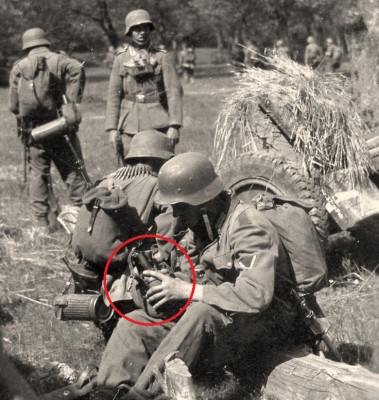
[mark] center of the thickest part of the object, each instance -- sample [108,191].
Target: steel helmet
[137,17]
[150,143]
[188,178]
[34,37]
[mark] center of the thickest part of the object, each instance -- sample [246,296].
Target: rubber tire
[262,172]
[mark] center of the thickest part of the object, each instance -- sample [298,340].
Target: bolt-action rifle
[316,327]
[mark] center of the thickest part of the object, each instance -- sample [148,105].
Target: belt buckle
[140,98]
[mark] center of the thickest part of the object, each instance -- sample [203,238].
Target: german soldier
[313,53]
[144,89]
[241,296]
[332,60]
[70,77]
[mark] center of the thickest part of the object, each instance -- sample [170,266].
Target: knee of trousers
[202,316]
[125,327]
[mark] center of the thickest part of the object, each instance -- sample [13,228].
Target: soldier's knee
[202,315]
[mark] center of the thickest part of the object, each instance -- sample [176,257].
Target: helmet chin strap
[207,224]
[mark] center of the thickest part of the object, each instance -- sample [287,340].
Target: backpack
[105,221]
[300,239]
[38,88]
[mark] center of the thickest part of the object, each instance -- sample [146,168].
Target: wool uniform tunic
[144,91]
[71,76]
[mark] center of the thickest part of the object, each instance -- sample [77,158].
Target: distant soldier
[237,54]
[333,56]
[281,48]
[66,76]
[144,88]
[187,62]
[313,53]
[250,54]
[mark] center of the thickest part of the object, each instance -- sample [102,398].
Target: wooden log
[297,374]
[178,383]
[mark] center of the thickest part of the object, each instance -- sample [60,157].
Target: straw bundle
[314,110]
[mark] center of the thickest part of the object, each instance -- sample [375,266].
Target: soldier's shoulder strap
[122,50]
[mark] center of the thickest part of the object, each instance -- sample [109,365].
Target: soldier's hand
[170,289]
[173,135]
[114,138]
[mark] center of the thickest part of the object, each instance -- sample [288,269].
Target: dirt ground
[32,274]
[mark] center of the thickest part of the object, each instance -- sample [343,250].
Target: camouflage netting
[315,110]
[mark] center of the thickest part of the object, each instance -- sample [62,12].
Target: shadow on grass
[347,254]
[355,354]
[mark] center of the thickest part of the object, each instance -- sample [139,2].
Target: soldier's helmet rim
[137,17]
[34,37]
[188,178]
[150,144]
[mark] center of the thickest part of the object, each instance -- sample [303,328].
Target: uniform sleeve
[173,90]
[254,244]
[74,77]
[115,93]
[14,77]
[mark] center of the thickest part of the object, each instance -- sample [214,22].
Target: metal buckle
[140,98]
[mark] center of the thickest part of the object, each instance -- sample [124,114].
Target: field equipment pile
[315,110]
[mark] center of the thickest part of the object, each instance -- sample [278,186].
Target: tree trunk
[107,24]
[298,374]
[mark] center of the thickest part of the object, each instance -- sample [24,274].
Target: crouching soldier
[241,296]
[122,205]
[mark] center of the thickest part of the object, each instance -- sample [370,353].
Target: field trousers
[40,158]
[202,333]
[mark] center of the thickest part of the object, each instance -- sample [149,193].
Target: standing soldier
[187,62]
[37,85]
[144,89]
[333,55]
[313,53]
[281,48]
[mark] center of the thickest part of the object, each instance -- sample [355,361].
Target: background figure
[281,48]
[66,77]
[250,52]
[109,57]
[313,53]
[187,62]
[332,59]
[144,88]
[237,54]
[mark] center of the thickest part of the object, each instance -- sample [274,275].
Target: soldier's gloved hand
[173,135]
[170,289]
[114,138]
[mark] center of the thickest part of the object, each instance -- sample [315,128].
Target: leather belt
[142,98]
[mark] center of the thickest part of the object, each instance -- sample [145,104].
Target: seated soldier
[241,296]
[138,182]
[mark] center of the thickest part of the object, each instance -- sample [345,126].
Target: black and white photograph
[189,201]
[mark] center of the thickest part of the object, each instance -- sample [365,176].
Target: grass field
[30,266]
